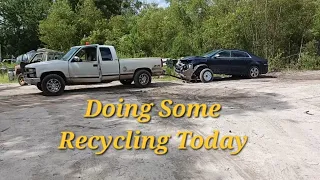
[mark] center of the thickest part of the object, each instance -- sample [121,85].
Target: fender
[189,73]
[199,66]
[254,64]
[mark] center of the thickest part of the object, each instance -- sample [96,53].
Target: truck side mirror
[76,59]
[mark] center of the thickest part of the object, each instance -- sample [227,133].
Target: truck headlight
[32,70]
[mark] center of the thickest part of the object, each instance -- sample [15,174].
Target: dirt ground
[280,113]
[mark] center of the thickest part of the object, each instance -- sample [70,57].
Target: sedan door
[239,62]
[220,62]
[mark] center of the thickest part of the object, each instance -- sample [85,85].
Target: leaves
[275,29]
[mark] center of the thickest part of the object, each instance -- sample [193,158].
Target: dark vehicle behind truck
[223,61]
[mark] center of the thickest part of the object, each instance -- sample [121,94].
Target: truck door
[109,65]
[84,66]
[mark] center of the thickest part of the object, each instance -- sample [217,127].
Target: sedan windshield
[67,56]
[209,54]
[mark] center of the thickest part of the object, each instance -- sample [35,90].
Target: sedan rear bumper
[264,69]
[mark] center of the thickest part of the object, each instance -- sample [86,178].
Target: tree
[87,14]
[59,31]
[19,24]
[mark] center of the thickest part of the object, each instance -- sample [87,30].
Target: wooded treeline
[286,32]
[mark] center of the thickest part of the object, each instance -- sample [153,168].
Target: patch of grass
[4,79]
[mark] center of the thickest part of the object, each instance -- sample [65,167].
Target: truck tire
[142,78]
[254,72]
[126,81]
[21,80]
[39,86]
[206,75]
[52,85]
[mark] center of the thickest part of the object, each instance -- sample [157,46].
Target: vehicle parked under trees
[223,61]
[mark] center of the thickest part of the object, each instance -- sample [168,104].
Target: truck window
[106,54]
[87,54]
[37,58]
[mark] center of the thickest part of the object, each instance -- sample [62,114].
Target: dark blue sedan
[223,61]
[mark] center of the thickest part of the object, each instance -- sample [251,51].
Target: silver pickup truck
[91,64]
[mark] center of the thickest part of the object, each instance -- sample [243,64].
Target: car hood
[45,63]
[194,59]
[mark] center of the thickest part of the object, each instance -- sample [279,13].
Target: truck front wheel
[142,78]
[52,85]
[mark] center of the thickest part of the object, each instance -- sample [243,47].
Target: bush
[309,59]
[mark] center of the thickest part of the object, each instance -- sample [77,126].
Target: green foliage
[309,58]
[87,14]
[283,31]
[4,78]
[19,20]
[59,30]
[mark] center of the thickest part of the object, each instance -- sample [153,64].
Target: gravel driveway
[280,114]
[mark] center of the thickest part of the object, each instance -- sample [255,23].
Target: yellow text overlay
[142,113]
[134,140]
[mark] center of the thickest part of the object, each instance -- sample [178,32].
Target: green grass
[4,79]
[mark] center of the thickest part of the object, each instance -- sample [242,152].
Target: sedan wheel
[254,72]
[206,75]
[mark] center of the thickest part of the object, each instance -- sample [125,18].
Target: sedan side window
[239,54]
[223,54]
[106,54]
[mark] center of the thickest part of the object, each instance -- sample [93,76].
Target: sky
[162,3]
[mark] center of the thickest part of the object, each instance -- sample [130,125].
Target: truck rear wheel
[126,81]
[52,85]
[142,78]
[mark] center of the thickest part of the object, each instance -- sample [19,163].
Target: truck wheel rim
[21,80]
[207,76]
[254,72]
[53,85]
[143,79]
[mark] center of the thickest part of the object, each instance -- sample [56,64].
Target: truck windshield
[67,56]
[209,54]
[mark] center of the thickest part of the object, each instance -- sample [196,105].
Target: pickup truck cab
[34,57]
[91,64]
